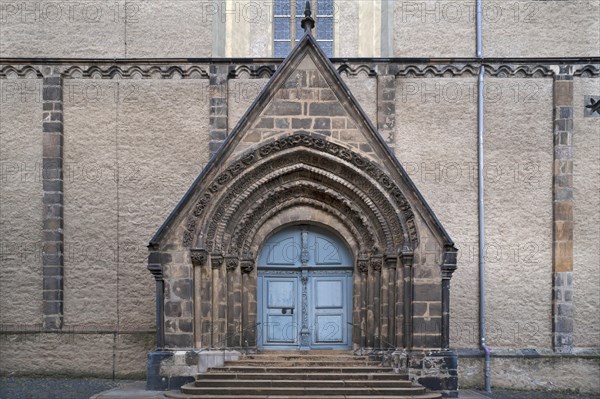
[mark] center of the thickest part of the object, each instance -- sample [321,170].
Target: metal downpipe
[480,179]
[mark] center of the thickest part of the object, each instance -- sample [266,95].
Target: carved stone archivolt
[300,169]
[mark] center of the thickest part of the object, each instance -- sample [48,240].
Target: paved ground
[84,388]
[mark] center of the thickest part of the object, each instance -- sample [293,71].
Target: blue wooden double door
[304,290]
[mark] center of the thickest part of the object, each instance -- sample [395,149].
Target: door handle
[284,310]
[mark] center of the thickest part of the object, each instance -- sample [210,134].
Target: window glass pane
[300,5]
[282,28]
[324,28]
[282,7]
[324,7]
[299,30]
[282,49]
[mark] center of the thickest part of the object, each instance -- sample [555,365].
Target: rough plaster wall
[174,28]
[364,89]
[90,195]
[114,29]
[346,28]
[541,374]
[525,28]
[20,201]
[152,135]
[63,29]
[440,28]
[79,354]
[436,142]
[518,207]
[586,210]
[240,95]
[164,134]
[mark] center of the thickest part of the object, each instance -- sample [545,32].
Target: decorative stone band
[299,139]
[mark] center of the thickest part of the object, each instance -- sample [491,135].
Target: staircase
[302,374]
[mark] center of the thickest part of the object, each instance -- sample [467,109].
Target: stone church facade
[115,121]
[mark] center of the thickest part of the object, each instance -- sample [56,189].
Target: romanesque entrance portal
[304,290]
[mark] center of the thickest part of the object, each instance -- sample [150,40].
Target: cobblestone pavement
[83,388]
[54,388]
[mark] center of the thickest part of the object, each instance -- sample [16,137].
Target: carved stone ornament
[216,260]
[247,266]
[231,263]
[376,263]
[199,256]
[363,265]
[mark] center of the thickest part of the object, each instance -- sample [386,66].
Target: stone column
[219,301]
[562,308]
[448,267]
[231,263]
[363,269]
[390,264]
[376,263]
[249,325]
[407,271]
[201,314]
[155,267]
[52,180]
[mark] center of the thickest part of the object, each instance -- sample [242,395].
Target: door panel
[330,310]
[280,321]
[304,290]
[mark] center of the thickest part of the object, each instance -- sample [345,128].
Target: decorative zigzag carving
[430,71]
[136,72]
[349,70]
[588,71]
[518,71]
[28,71]
[252,71]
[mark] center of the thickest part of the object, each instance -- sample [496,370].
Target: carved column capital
[216,260]
[390,261]
[199,256]
[449,261]
[376,262]
[363,265]
[231,263]
[247,265]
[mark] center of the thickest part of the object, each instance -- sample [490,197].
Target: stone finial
[308,23]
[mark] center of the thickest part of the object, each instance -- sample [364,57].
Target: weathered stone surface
[174,28]
[442,166]
[543,374]
[101,133]
[364,89]
[443,28]
[541,29]
[21,201]
[241,92]
[65,29]
[519,212]
[586,214]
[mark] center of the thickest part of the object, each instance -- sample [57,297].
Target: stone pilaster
[52,180]
[562,307]
[217,114]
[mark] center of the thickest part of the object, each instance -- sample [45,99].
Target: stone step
[303,363]
[305,383]
[192,389]
[315,369]
[213,375]
[179,395]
